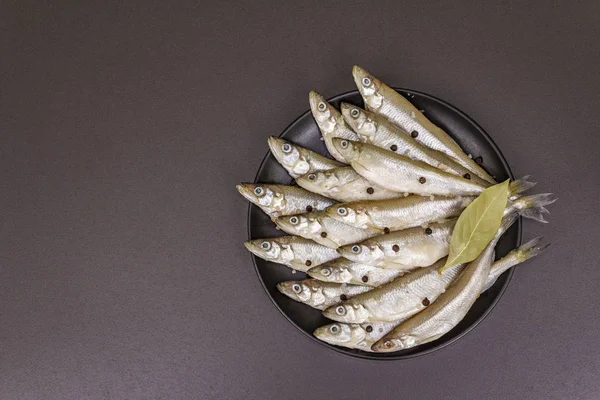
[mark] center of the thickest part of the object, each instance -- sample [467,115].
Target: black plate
[304,131]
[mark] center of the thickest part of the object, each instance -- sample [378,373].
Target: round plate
[304,131]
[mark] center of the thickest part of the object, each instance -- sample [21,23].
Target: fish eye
[366,81]
[342,211]
[340,310]
[312,177]
[296,288]
[266,245]
[258,191]
[334,328]
[286,147]
[294,220]
[388,344]
[326,272]
[321,106]
[356,249]
[354,113]
[344,144]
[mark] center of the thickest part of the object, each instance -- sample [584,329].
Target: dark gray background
[124,129]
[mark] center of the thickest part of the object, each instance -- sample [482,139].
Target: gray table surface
[124,129]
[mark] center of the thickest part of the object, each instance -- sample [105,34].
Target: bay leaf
[477,225]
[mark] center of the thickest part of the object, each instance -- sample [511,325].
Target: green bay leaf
[477,225]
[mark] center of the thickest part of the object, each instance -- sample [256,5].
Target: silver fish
[396,214]
[385,101]
[295,252]
[319,294]
[354,336]
[344,184]
[403,297]
[343,270]
[405,249]
[402,174]
[298,160]
[407,212]
[331,123]
[379,131]
[449,308]
[321,228]
[278,200]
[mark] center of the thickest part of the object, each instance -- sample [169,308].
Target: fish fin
[533,207]
[520,185]
[531,249]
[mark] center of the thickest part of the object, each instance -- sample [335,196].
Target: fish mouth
[275,144]
[380,346]
[246,190]
[285,225]
[250,247]
[359,73]
[314,99]
[348,151]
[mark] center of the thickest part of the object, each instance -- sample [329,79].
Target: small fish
[344,184]
[343,270]
[399,173]
[319,294]
[379,131]
[450,307]
[404,249]
[396,214]
[295,252]
[385,101]
[321,228]
[406,212]
[298,160]
[278,200]
[331,123]
[354,336]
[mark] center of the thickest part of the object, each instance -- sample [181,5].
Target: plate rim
[366,355]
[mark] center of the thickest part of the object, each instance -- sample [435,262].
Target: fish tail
[531,249]
[520,185]
[507,222]
[533,207]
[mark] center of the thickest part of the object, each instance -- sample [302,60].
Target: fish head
[295,224]
[358,119]
[364,253]
[268,249]
[347,312]
[339,334]
[324,113]
[261,195]
[350,214]
[349,149]
[369,87]
[391,343]
[329,273]
[289,155]
[318,181]
[296,290]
